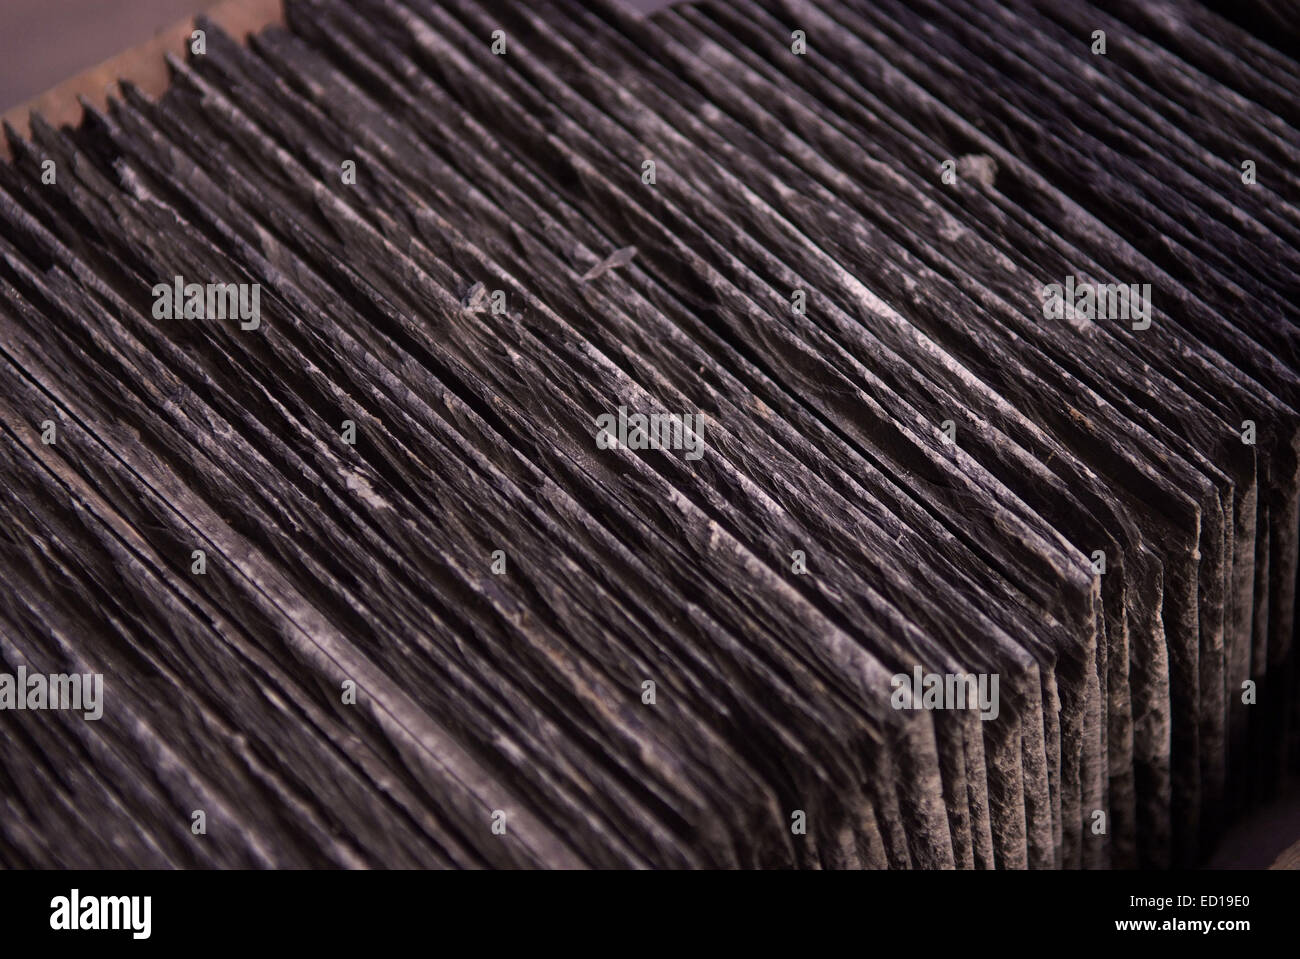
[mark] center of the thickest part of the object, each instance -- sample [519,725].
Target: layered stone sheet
[958,527]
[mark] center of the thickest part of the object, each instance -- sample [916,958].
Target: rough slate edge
[143,64]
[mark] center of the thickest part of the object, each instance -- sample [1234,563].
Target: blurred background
[43,42]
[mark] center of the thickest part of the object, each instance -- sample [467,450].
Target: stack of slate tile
[368,584]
